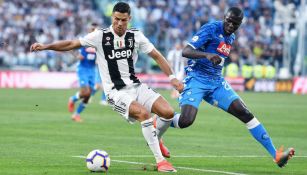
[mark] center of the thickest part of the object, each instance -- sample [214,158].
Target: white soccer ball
[98,160]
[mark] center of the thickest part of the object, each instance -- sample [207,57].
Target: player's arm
[64,45]
[163,64]
[77,55]
[190,52]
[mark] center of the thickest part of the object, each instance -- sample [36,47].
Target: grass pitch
[37,137]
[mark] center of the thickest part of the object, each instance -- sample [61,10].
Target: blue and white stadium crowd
[165,22]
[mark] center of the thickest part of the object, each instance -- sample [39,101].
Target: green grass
[37,136]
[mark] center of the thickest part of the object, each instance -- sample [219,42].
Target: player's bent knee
[188,115]
[168,113]
[186,120]
[138,112]
[248,116]
[85,94]
[143,115]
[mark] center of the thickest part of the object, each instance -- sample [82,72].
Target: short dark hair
[122,7]
[236,11]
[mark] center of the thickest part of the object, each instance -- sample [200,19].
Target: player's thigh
[162,108]
[85,91]
[83,79]
[192,93]
[138,111]
[126,103]
[120,101]
[146,96]
[222,96]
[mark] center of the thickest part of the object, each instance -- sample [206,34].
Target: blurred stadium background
[270,45]
[37,136]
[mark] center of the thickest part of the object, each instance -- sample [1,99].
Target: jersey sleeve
[170,56]
[92,39]
[202,36]
[145,45]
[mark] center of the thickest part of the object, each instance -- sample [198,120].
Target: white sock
[176,120]
[150,135]
[252,124]
[162,125]
[77,95]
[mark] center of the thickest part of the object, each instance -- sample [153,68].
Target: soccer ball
[98,160]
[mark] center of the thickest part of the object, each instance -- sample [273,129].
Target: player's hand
[37,47]
[177,85]
[214,58]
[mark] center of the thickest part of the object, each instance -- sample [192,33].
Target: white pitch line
[184,168]
[200,156]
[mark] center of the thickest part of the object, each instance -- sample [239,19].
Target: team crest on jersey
[195,38]
[130,40]
[224,48]
[119,43]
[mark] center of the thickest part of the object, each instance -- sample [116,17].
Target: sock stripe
[253,123]
[144,125]
[165,120]
[147,123]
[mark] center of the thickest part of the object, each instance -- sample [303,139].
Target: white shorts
[120,100]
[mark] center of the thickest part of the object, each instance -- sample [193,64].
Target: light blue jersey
[204,80]
[210,38]
[86,67]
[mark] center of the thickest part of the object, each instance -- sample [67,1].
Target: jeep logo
[120,54]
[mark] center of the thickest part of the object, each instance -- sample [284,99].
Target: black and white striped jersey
[116,56]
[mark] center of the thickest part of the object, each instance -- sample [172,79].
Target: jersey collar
[112,30]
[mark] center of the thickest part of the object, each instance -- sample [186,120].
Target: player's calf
[186,118]
[161,125]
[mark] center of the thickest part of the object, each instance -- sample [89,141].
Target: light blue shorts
[216,92]
[86,78]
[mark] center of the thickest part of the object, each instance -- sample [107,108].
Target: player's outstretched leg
[186,118]
[163,125]
[163,119]
[71,102]
[257,130]
[280,156]
[149,133]
[183,120]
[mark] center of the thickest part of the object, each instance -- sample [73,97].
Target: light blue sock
[80,108]
[75,97]
[259,133]
[103,96]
